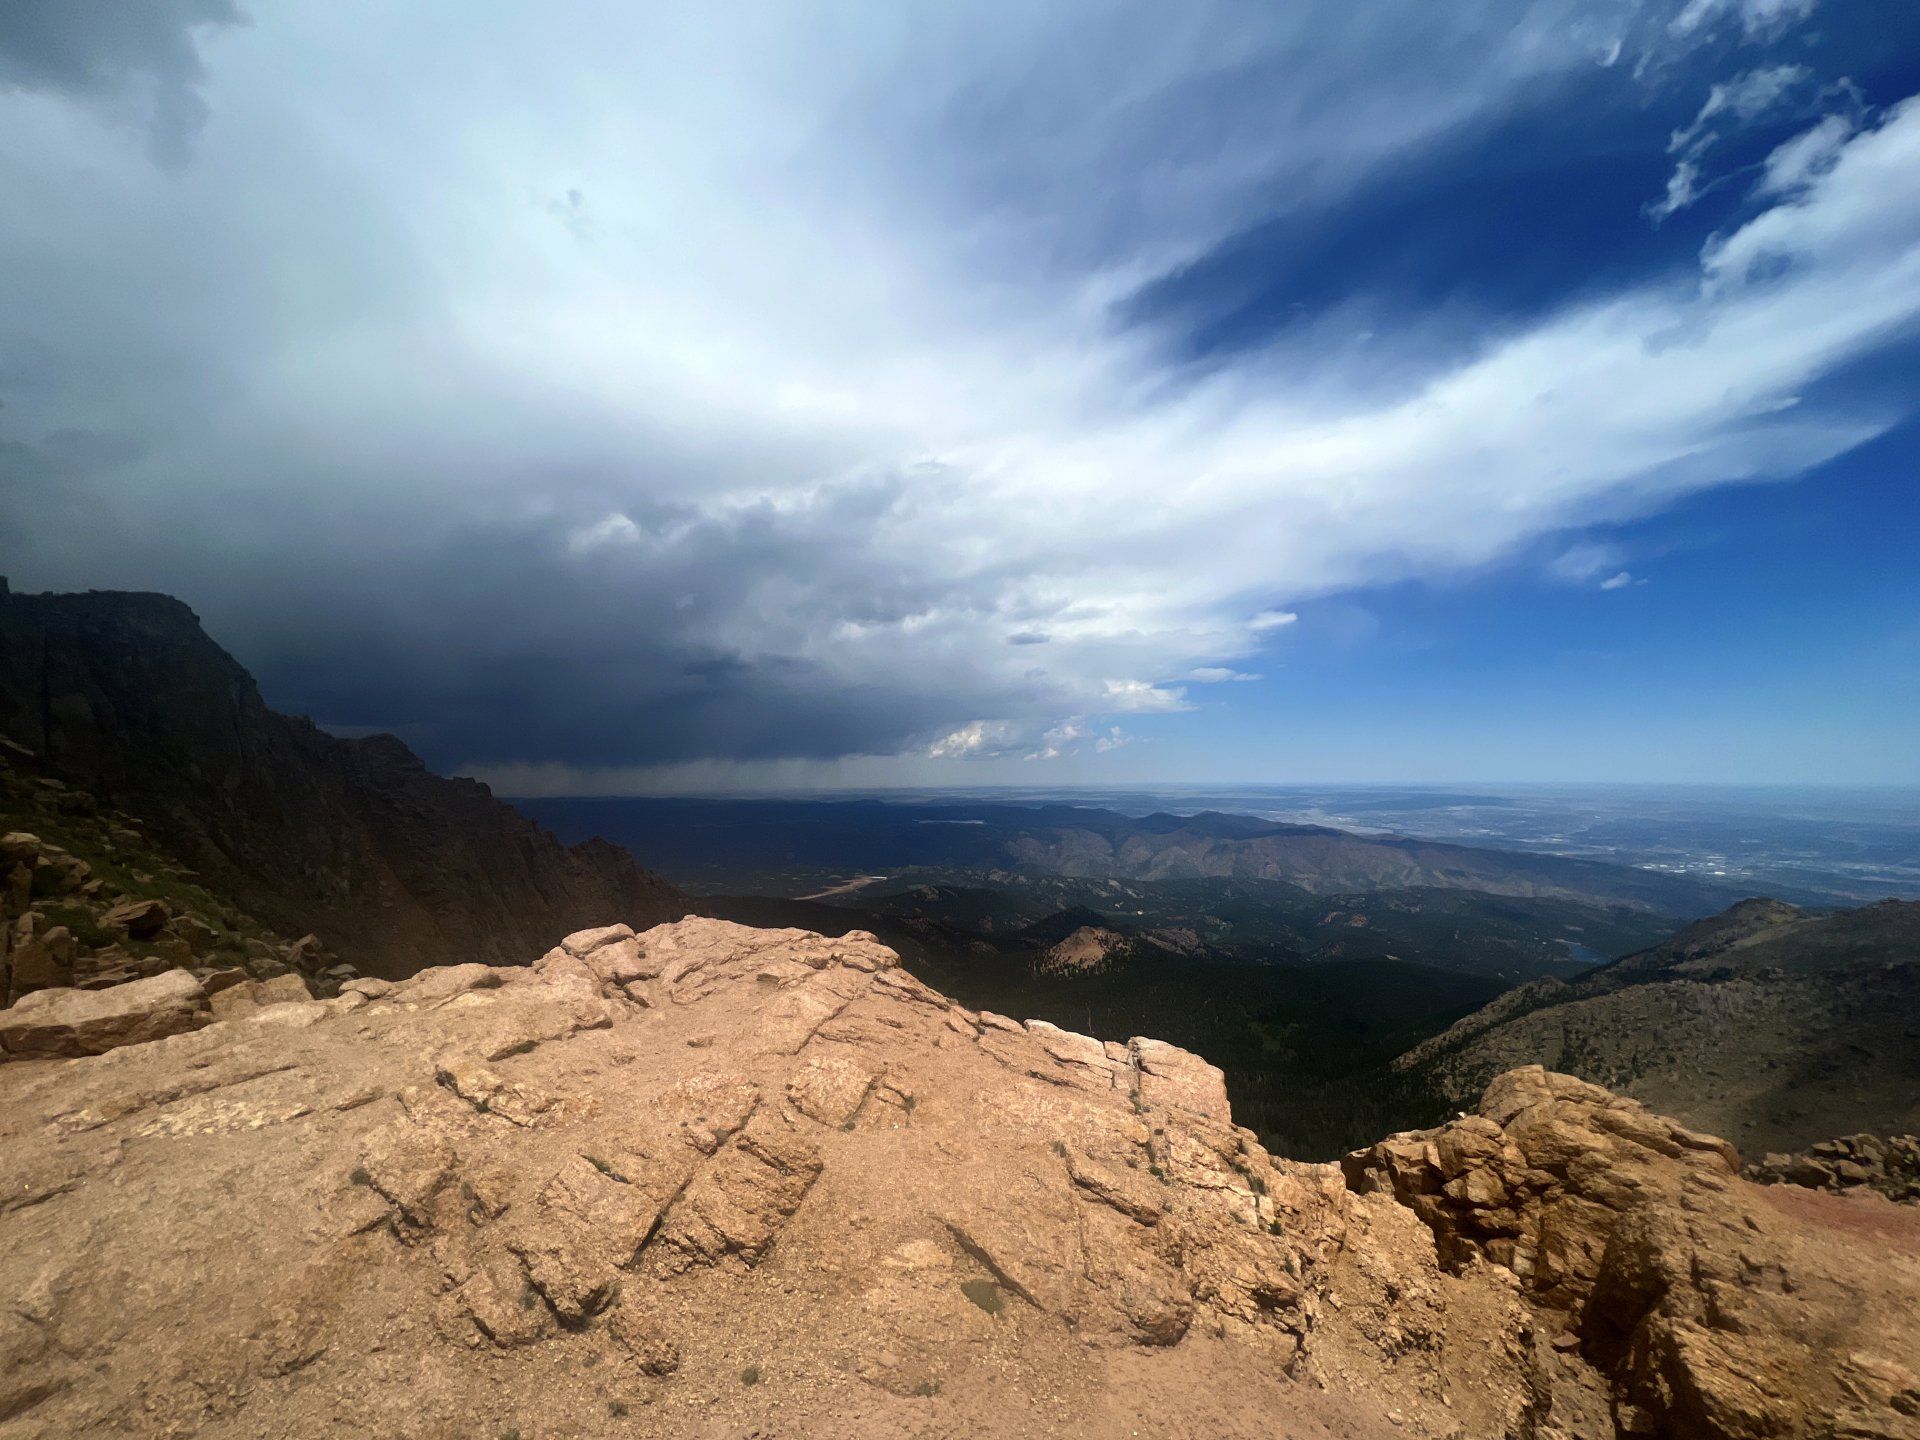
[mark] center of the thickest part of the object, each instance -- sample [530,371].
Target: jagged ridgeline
[158,815]
[260,825]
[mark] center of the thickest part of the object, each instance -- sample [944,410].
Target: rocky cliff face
[88,901]
[126,697]
[710,1180]
[1768,1025]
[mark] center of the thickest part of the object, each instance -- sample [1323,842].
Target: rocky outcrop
[87,901]
[1691,1303]
[1889,1164]
[234,996]
[141,919]
[640,1171]
[705,1179]
[92,1022]
[1088,950]
[126,697]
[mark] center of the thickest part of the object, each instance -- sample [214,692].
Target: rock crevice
[652,1164]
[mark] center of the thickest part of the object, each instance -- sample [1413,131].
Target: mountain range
[1302,958]
[716,845]
[1771,1026]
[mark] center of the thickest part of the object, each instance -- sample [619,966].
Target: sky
[613,398]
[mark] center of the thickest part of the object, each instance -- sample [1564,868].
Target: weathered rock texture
[708,1180]
[92,1022]
[1767,1025]
[1703,1305]
[126,697]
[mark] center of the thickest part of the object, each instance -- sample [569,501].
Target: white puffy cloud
[1058,741]
[1142,697]
[1757,20]
[1809,155]
[976,738]
[1683,188]
[1856,223]
[1745,97]
[1731,104]
[615,529]
[1618,581]
[1582,562]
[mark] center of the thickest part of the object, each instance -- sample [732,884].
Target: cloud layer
[604,396]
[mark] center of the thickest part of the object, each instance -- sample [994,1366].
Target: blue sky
[1770,632]
[615,398]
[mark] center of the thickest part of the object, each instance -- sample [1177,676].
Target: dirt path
[859,882]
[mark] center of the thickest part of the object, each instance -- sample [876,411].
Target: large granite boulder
[91,1022]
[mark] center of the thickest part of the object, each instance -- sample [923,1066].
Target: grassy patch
[81,923]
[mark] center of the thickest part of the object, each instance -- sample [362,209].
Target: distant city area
[1811,845]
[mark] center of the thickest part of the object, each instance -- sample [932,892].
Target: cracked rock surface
[1682,1300]
[711,1180]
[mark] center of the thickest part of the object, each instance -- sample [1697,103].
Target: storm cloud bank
[599,395]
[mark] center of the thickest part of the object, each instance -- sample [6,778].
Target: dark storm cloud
[557,385]
[139,57]
[44,498]
[503,645]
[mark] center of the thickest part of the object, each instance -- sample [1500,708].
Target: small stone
[141,919]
